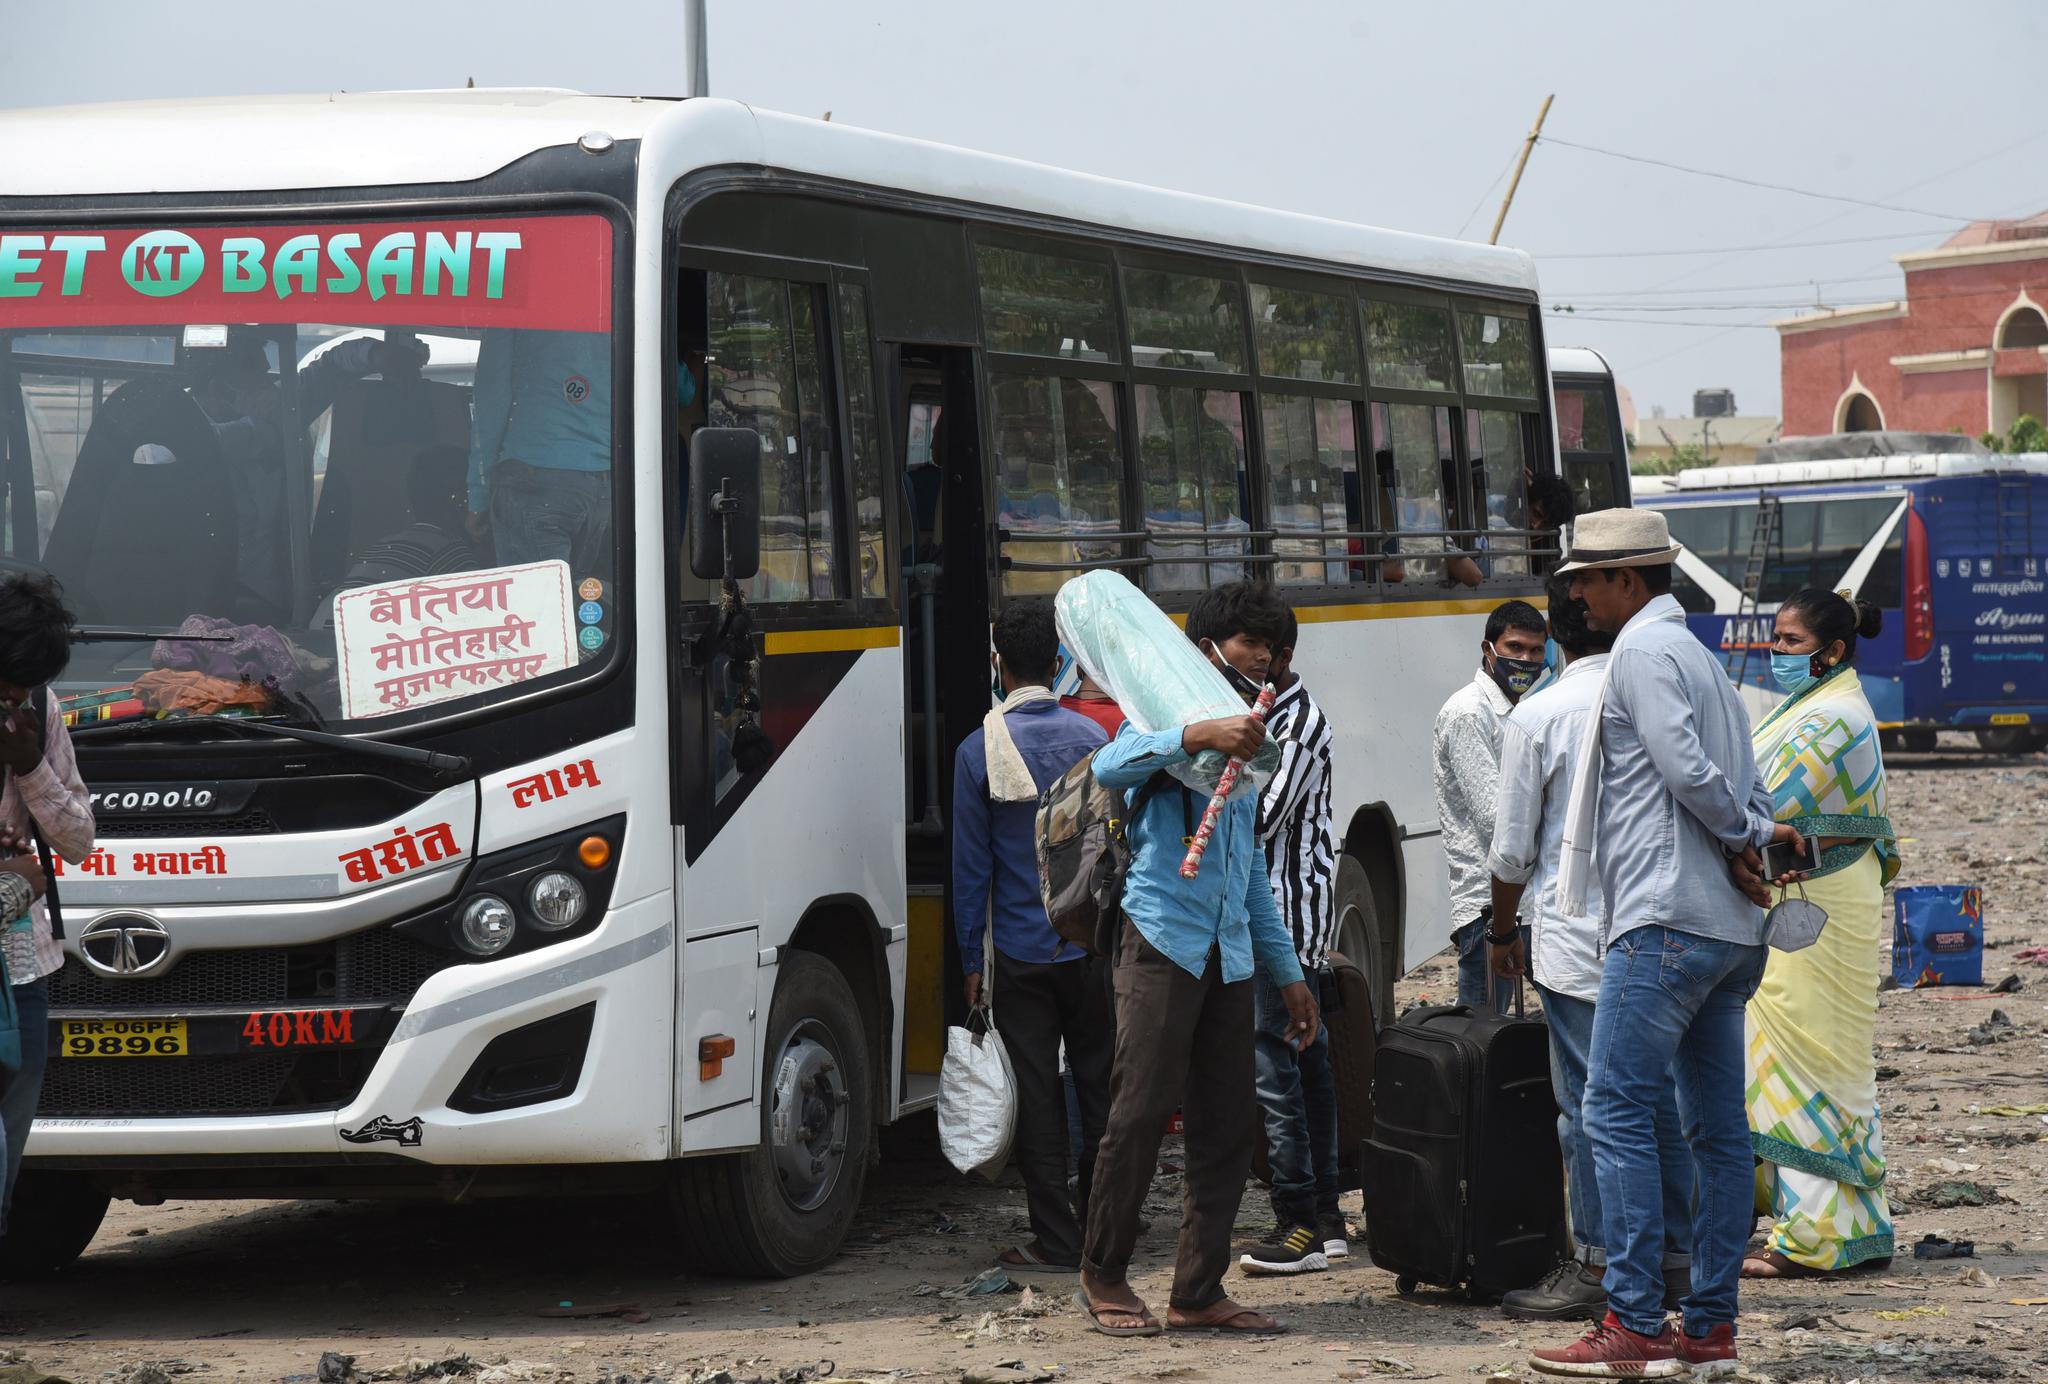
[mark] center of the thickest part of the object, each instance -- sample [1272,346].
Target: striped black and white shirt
[1294,825]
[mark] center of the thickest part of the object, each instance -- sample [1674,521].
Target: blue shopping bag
[1938,935]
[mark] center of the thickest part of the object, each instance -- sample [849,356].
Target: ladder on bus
[1770,527]
[2015,523]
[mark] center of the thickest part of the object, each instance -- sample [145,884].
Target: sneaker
[1612,1351]
[1711,1356]
[1336,1237]
[1570,1292]
[1289,1249]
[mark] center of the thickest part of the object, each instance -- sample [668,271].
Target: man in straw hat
[1666,784]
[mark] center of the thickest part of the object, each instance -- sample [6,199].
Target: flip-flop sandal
[1222,1325]
[1779,1265]
[1148,1326]
[1030,1259]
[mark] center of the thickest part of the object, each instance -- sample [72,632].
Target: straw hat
[1619,538]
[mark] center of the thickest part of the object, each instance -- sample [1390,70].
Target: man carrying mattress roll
[1182,980]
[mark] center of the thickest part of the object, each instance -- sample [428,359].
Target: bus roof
[1578,360]
[1927,466]
[342,140]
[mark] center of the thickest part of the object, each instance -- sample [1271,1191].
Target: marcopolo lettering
[163,798]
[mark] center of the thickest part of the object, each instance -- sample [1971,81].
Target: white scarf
[1009,778]
[1575,871]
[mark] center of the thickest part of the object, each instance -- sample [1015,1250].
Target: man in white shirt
[1466,749]
[1561,953]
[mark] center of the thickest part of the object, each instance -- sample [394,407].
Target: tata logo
[162,264]
[125,945]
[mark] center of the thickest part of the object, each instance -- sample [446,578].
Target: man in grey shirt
[1678,799]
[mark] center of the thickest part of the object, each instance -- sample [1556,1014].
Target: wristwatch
[1486,920]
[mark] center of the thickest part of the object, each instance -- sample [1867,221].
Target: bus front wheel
[784,1206]
[2005,739]
[55,1216]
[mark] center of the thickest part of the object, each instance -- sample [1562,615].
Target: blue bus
[1950,546]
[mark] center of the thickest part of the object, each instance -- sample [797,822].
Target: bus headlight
[486,925]
[557,901]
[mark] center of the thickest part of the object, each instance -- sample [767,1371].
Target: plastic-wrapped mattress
[1153,671]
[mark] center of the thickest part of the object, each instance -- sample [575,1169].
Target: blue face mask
[1793,672]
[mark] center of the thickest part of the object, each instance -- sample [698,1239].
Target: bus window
[1409,346]
[1414,457]
[1305,335]
[761,377]
[1499,458]
[864,444]
[1058,470]
[1191,459]
[1038,304]
[1311,463]
[1500,359]
[1585,435]
[1884,585]
[1185,321]
[1846,528]
[1710,533]
[1790,567]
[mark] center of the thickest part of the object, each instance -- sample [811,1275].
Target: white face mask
[1794,924]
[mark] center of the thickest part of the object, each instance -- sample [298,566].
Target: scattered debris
[1995,1029]
[1974,1277]
[2011,985]
[981,1285]
[1009,1372]
[2013,1112]
[1934,1247]
[631,1312]
[1908,1313]
[1943,1196]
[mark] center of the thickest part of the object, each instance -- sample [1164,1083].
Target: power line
[1734,249]
[1730,288]
[1485,196]
[1755,182]
[1599,303]
[1667,322]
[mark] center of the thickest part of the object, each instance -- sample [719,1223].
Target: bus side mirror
[724,503]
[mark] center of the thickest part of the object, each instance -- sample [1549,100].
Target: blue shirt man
[540,453]
[1044,996]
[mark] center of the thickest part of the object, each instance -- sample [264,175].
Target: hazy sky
[1396,115]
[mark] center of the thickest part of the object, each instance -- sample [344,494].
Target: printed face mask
[1515,675]
[1792,672]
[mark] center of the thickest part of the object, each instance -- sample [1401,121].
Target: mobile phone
[1782,858]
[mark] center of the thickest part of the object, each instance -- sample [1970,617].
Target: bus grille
[376,966]
[252,823]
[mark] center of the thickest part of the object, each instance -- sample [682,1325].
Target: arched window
[1859,414]
[2026,327]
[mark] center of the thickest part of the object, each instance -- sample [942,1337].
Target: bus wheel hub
[808,1123]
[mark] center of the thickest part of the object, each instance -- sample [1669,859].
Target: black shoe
[1289,1249]
[1677,1285]
[1569,1292]
[1336,1237]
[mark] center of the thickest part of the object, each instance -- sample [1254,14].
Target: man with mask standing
[1466,749]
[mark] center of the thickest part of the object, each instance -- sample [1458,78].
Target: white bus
[448,856]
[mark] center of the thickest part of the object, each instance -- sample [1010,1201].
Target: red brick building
[1965,350]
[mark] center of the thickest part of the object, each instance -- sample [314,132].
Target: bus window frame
[850,609]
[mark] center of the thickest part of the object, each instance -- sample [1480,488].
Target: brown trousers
[1180,1042]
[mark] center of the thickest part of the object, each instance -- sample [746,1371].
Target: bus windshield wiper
[93,636]
[448,765]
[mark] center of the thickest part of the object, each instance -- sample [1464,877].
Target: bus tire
[54,1217]
[1361,937]
[784,1208]
[2006,739]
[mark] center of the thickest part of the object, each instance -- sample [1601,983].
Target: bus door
[945,639]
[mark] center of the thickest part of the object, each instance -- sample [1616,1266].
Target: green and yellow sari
[1812,1093]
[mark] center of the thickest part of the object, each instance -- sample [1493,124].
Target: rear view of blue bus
[1950,547]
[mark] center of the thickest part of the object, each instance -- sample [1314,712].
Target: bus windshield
[328,473]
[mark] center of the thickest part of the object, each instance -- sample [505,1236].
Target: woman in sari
[1812,1091]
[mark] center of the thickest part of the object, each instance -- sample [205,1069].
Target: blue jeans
[540,513]
[1475,972]
[1298,1094]
[20,1089]
[1670,1012]
[1571,1042]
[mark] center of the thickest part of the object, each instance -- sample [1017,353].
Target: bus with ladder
[535,556]
[1950,546]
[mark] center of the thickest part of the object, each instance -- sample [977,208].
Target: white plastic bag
[1148,666]
[977,1098]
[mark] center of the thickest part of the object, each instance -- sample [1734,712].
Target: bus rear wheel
[54,1217]
[2006,739]
[1362,939]
[784,1206]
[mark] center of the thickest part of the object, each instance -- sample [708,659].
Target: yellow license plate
[2010,718]
[123,1038]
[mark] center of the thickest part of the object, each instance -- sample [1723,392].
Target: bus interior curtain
[17,471]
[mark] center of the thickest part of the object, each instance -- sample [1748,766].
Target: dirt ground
[219,1291]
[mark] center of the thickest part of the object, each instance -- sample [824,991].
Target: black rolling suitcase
[1464,1185]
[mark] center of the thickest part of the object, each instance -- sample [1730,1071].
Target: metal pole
[697,77]
[1535,132]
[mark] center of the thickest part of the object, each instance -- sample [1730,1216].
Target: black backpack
[1084,854]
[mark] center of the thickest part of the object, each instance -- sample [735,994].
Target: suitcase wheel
[1404,1285]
